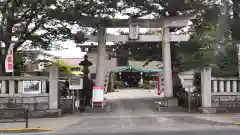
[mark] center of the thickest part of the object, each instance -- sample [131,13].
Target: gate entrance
[134,25]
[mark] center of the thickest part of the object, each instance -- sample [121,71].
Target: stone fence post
[53,84]
[206,91]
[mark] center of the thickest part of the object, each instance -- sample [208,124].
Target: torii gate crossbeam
[142,38]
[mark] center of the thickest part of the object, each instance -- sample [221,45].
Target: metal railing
[192,101]
[14,115]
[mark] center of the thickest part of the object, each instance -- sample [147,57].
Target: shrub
[119,85]
[197,81]
[147,86]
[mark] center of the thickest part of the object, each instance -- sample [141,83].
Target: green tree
[38,23]
[215,42]
[210,36]
[19,64]
[209,39]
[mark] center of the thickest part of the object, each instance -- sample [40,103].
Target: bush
[147,86]
[119,85]
[197,81]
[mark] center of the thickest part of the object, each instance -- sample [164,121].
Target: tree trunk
[176,64]
[2,65]
[177,85]
[2,70]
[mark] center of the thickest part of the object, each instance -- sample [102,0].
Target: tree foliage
[19,64]
[210,44]
[38,23]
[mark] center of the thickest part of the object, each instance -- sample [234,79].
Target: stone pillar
[166,51]
[20,87]
[11,87]
[101,51]
[206,91]
[3,87]
[44,86]
[111,81]
[53,87]
[168,100]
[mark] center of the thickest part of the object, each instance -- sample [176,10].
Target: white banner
[9,60]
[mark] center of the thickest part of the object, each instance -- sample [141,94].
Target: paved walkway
[131,94]
[221,118]
[130,109]
[124,119]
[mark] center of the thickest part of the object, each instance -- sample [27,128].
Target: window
[32,87]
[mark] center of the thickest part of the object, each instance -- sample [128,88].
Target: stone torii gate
[134,24]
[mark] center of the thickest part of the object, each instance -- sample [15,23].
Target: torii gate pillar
[101,51]
[167,69]
[166,51]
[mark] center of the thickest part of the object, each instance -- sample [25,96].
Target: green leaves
[38,23]
[41,22]
[227,62]
[19,64]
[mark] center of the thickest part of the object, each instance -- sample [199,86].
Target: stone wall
[37,106]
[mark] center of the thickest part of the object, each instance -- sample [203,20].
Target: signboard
[9,60]
[32,87]
[98,94]
[75,83]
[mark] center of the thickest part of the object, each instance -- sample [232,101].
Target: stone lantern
[87,83]
[86,64]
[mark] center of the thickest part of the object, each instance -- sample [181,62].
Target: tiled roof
[151,65]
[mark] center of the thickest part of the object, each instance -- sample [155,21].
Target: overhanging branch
[26,33]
